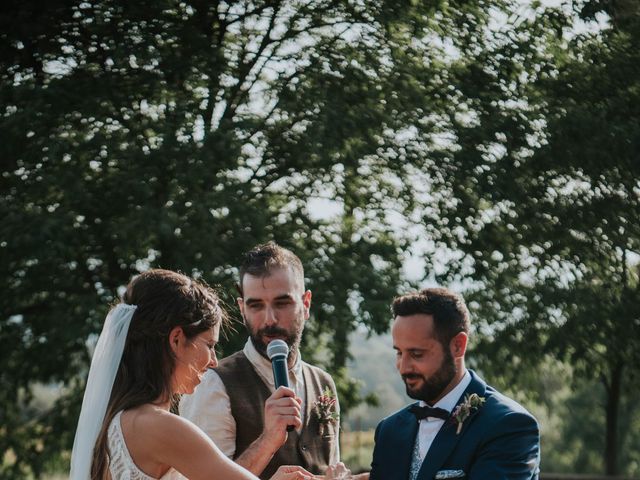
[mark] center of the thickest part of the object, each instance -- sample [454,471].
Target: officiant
[237,404]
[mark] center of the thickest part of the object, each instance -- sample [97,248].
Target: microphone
[278,351]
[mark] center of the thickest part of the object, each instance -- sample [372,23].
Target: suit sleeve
[374,475]
[512,452]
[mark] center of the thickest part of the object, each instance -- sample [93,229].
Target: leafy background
[487,145]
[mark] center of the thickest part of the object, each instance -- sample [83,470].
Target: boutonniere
[463,411]
[325,409]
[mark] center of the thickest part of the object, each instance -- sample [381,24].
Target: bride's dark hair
[164,300]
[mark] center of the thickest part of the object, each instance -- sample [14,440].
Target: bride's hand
[291,472]
[338,472]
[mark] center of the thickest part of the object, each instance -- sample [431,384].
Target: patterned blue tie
[416,461]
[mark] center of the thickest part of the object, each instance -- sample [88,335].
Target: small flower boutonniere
[325,409]
[461,413]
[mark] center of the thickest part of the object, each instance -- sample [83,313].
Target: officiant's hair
[262,259]
[164,300]
[450,314]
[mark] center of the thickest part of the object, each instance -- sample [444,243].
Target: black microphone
[278,351]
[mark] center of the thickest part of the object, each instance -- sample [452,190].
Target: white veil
[104,366]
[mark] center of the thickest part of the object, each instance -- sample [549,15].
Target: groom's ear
[458,345]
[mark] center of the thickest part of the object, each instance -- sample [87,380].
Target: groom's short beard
[433,387]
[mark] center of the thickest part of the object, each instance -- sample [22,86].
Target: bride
[156,344]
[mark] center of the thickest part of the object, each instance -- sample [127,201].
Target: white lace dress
[121,464]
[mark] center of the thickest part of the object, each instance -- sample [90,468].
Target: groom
[461,427]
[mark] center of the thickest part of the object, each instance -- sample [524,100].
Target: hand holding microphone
[278,352]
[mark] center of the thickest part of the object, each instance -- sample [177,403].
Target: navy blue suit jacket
[499,441]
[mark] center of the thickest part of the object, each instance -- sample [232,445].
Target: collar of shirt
[429,427]
[263,368]
[449,401]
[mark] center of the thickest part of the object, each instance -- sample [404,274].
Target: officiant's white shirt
[209,406]
[430,426]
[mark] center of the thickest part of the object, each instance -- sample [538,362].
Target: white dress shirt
[209,406]
[430,426]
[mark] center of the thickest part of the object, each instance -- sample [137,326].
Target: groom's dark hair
[450,314]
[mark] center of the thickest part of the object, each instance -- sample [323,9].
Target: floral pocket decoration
[325,409]
[463,411]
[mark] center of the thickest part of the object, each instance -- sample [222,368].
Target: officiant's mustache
[291,338]
[274,331]
[414,376]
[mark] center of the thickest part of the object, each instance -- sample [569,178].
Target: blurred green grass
[356,449]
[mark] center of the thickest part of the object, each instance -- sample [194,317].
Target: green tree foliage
[541,204]
[179,134]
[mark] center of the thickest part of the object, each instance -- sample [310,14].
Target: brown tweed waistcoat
[248,394]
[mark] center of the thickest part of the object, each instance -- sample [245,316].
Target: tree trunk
[612,410]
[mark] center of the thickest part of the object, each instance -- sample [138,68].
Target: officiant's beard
[292,339]
[433,386]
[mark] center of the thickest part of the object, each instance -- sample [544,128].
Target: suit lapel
[311,399]
[447,439]
[406,436]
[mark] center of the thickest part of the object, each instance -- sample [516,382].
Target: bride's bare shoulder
[155,422]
